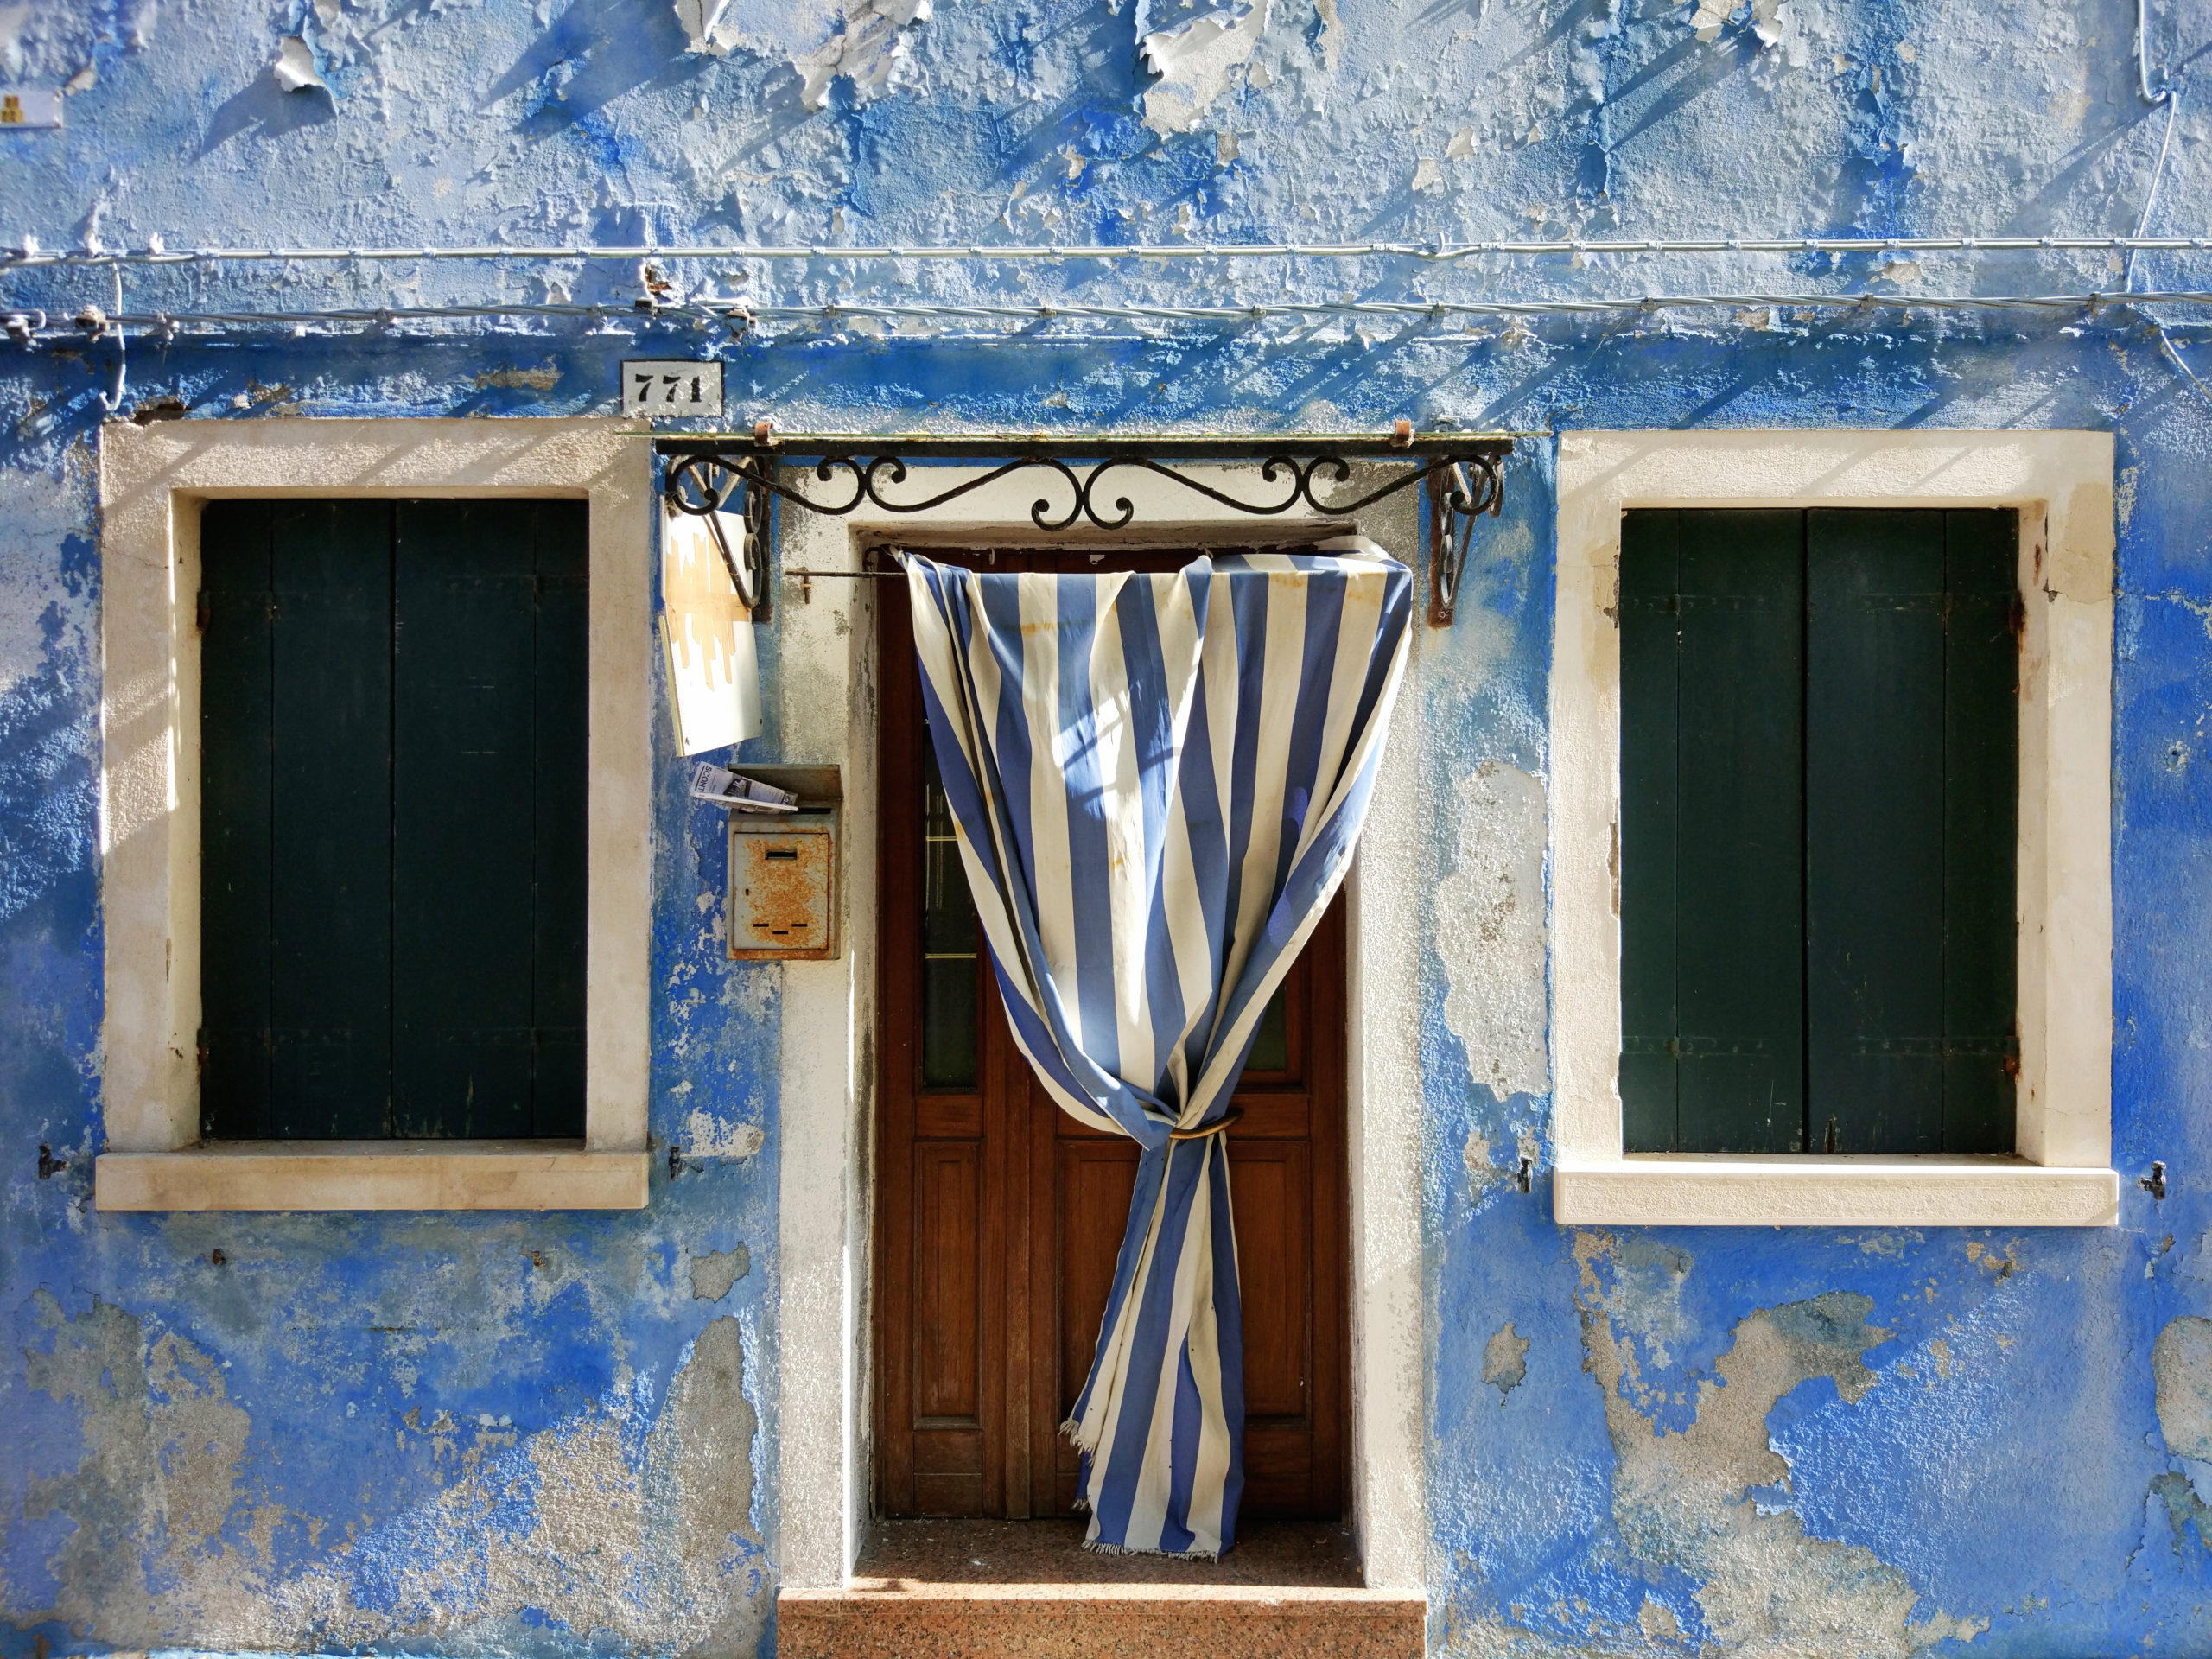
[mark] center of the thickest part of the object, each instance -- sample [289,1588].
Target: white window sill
[1677,1189]
[372,1175]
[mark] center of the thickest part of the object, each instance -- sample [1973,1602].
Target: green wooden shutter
[488,815]
[296,879]
[330,935]
[561,710]
[393,785]
[1711,698]
[1874,829]
[1982,804]
[235,607]
[1650,618]
[1819,776]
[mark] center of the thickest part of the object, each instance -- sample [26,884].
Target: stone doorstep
[910,1620]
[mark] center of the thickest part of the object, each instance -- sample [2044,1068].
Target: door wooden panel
[947,1206]
[1269,1181]
[1007,1214]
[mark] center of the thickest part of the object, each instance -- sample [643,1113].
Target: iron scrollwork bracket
[1460,490]
[1463,477]
[703,487]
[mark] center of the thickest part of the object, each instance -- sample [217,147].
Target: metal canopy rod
[1464,476]
[993,446]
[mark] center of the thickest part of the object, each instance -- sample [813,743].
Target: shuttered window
[1819,802]
[392,831]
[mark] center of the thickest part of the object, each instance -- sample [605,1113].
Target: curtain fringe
[1100,1547]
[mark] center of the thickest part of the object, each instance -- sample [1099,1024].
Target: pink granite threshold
[948,1590]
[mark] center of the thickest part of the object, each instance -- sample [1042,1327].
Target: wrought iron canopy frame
[706,473]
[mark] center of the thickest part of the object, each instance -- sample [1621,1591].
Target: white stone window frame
[2062,483]
[153,483]
[825,694]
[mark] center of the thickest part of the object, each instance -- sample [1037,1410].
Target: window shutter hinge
[199,612]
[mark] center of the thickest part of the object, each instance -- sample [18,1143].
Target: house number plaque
[656,387]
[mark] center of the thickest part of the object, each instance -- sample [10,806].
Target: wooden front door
[999,1217]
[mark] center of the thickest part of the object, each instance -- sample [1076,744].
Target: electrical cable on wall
[29,259]
[25,326]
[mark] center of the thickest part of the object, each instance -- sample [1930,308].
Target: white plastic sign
[714,677]
[652,386]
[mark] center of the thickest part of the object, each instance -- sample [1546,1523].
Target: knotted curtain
[1156,782]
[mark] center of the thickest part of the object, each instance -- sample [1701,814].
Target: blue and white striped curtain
[1156,781]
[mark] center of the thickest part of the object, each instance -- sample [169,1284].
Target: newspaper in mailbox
[738,792]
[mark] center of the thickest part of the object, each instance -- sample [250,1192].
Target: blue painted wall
[558,1435]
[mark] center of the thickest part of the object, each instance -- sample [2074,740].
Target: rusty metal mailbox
[783,892]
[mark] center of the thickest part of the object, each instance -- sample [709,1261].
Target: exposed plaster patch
[146,1551]
[2181,1361]
[1680,1499]
[708,1136]
[1657,1621]
[1505,1363]
[1427,175]
[1490,932]
[712,1275]
[1195,61]
[544,378]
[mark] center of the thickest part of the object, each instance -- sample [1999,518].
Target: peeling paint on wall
[635,1516]
[295,66]
[1195,59]
[866,42]
[1691,1499]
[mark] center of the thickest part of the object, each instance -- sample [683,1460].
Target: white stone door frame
[825,688]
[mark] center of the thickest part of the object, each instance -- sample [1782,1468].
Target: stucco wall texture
[556,1435]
